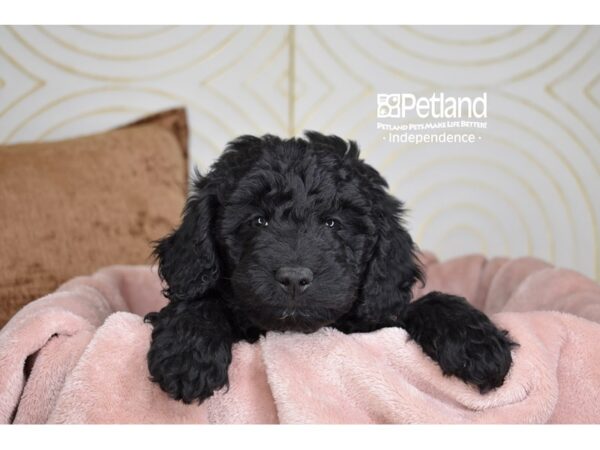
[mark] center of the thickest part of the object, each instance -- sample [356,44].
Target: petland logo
[438,106]
[423,120]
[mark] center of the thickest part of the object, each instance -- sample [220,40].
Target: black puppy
[300,234]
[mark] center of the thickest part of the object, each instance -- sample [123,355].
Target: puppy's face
[296,229]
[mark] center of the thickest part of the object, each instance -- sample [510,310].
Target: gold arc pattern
[550,61]
[131,57]
[367,87]
[550,89]
[207,81]
[120,37]
[589,88]
[476,183]
[573,172]
[347,58]
[247,84]
[322,98]
[86,114]
[502,167]
[37,83]
[291,87]
[484,247]
[479,62]
[458,206]
[402,74]
[464,42]
[76,71]
[508,171]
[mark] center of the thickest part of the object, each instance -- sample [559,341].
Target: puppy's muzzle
[294,279]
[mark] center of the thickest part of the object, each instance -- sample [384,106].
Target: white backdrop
[531,186]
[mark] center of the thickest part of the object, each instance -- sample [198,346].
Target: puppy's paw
[186,359]
[461,339]
[479,355]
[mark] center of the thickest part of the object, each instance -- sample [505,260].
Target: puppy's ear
[187,258]
[392,268]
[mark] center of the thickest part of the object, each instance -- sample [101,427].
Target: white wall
[531,186]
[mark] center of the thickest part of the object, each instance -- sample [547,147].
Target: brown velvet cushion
[68,208]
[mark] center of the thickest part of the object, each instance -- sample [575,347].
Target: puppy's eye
[261,222]
[331,223]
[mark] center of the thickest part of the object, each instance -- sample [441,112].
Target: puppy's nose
[294,279]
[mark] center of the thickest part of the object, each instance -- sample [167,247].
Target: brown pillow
[68,208]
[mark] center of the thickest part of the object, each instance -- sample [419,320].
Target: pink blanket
[79,356]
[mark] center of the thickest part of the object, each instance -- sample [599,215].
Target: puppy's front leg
[461,339]
[190,350]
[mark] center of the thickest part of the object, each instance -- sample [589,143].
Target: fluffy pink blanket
[79,356]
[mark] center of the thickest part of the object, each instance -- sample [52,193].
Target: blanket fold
[78,355]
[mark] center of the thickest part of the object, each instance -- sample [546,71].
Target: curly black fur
[300,234]
[462,340]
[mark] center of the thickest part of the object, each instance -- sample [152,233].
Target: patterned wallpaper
[530,186]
